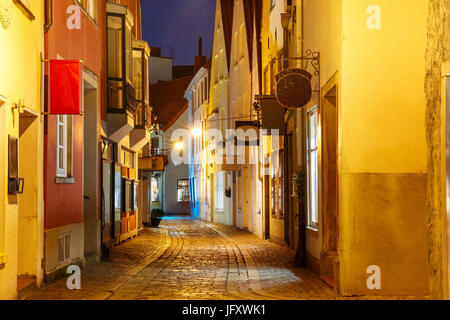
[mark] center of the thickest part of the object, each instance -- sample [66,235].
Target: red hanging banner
[65,87]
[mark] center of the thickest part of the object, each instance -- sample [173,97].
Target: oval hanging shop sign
[294,88]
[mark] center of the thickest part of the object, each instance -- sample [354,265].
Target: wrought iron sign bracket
[311,58]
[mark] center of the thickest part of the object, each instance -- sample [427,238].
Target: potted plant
[299,192]
[156,217]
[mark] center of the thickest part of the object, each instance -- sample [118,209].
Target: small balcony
[154,160]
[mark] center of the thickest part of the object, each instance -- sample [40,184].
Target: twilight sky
[176,25]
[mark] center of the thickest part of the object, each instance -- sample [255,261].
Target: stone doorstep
[25,286]
[61,272]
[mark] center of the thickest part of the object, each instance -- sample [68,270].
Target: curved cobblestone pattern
[187,259]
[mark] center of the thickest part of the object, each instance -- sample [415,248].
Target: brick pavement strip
[187,259]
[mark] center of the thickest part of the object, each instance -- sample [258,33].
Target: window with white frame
[64,146]
[313,169]
[64,248]
[220,177]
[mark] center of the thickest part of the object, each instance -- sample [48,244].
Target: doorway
[91,216]
[30,221]
[329,183]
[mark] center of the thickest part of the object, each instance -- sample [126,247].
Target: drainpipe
[42,205]
[48,15]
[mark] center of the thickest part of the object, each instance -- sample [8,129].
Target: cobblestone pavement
[187,259]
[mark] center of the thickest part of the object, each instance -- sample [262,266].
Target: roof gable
[227,9]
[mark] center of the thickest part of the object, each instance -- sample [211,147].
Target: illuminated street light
[196,132]
[179,146]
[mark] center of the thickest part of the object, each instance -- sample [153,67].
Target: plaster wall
[22,60]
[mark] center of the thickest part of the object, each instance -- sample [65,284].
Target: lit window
[183,190]
[313,170]
[64,146]
[127,158]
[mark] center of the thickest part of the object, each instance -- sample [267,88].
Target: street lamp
[179,146]
[196,132]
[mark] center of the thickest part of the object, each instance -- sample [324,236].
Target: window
[90,6]
[236,48]
[183,190]
[64,146]
[128,53]
[128,196]
[219,191]
[138,69]
[135,196]
[313,170]
[127,158]
[277,184]
[217,75]
[241,41]
[155,190]
[63,248]
[115,62]
[221,64]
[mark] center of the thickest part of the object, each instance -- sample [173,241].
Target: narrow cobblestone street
[187,259]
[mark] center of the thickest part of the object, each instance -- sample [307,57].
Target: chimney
[200,60]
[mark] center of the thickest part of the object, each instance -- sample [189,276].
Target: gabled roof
[258,10]
[248,14]
[167,99]
[227,7]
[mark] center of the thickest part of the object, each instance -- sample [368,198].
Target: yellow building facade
[217,118]
[21,140]
[369,123]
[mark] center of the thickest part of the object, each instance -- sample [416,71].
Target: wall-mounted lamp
[179,146]
[196,132]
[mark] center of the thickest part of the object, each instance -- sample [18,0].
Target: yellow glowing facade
[372,161]
[21,216]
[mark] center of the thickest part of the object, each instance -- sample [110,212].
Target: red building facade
[73,31]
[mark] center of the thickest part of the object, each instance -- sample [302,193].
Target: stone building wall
[438,51]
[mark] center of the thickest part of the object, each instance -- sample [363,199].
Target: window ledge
[2,260]
[62,180]
[312,230]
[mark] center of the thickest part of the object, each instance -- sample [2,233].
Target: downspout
[48,10]
[48,15]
